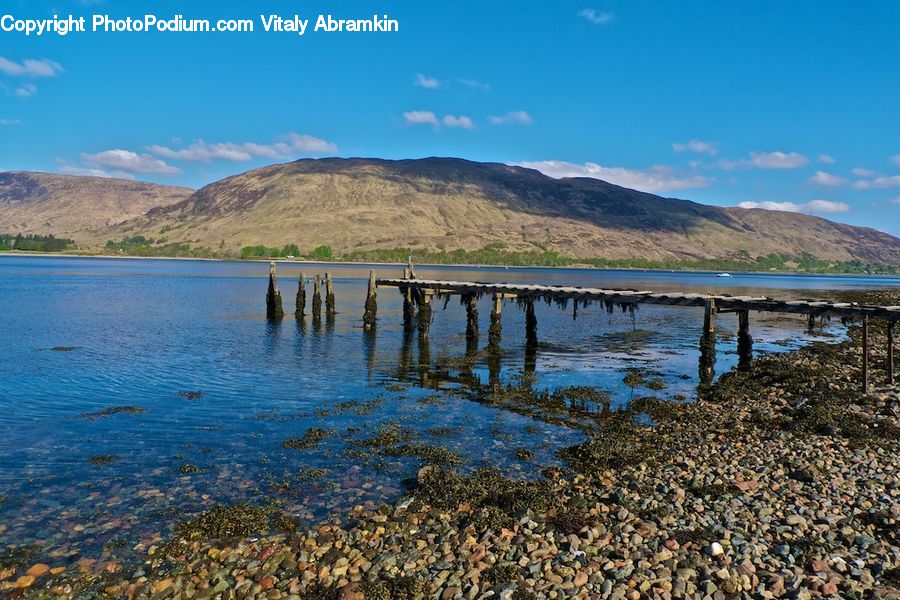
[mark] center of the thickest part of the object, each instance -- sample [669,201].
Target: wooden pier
[420,292]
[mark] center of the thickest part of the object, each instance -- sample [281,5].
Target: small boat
[724,275]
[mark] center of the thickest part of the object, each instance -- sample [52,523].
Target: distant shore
[585,267]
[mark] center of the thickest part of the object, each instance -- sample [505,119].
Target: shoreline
[781,481]
[444,265]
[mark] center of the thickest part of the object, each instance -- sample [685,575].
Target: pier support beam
[274,309]
[329,295]
[471,302]
[300,304]
[496,325]
[371,308]
[424,314]
[317,297]
[709,317]
[890,352]
[531,336]
[811,323]
[865,356]
[409,310]
[744,340]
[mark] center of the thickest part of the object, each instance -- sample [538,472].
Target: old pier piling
[471,303]
[424,314]
[496,328]
[409,309]
[371,308]
[421,290]
[744,340]
[274,309]
[317,297]
[531,336]
[329,295]
[300,304]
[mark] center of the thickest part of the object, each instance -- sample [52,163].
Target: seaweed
[102,460]
[113,410]
[310,439]
[225,522]
[190,395]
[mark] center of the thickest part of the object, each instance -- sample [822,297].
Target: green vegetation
[492,254]
[496,254]
[141,246]
[34,243]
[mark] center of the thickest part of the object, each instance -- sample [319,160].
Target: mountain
[73,206]
[451,203]
[433,203]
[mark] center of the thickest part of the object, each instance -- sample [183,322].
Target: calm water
[222,389]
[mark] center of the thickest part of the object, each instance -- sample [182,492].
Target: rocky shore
[782,481]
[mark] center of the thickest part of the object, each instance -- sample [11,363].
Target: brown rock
[37,570]
[25,581]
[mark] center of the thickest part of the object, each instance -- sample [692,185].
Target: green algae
[614,446]
[524,454]
[310,439]
[188,469]
[114,410]
[225,522]
[102,460]
[503,573]
[496,501]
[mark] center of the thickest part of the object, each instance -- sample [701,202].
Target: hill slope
[76,207]
[431,203]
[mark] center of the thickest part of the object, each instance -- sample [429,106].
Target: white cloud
[460,121]
[132,162]
[860,172]
[895,159]
[26,90]
[430,83]
[878,183]
[894,201]
[597,17]
[827,159]
[812,207]
[777,160]
[30,68]
[515,117]
[420,117]
[821,178]
[654,179]
[475,85]
[94,172]
[205,152]
[698,146]
[9,122]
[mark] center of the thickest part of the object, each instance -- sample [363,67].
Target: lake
[136,393]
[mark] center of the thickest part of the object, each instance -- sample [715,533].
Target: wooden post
[811,322]
[317,297]
[424,314]
[371,308]
[531,337]
[300,304]
[496,325]
[274,309]
[409,310]
[709,317]
[329,295]
[745,340]
[865,356]
[890,352]
[471,302]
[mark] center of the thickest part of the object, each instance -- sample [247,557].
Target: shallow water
[188,342]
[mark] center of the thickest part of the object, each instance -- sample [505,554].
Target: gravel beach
[780,482]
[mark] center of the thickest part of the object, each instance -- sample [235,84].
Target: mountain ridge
[354,204]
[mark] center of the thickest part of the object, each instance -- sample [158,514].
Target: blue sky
[791,105]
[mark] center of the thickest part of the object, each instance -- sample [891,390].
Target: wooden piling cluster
[275,310]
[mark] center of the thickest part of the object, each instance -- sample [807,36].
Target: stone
[38,570]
